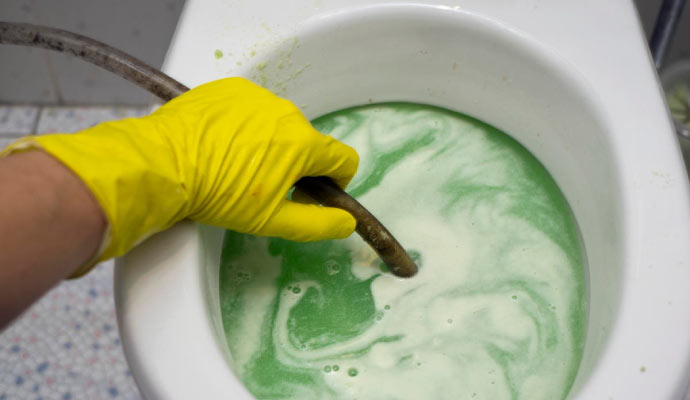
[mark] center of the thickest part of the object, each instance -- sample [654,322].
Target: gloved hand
[225,153]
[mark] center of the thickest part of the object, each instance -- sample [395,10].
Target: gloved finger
[300,197]
[333,159]
[308,222]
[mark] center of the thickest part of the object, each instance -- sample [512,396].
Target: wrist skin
[51,226]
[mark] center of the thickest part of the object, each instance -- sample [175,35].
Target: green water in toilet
[497,310]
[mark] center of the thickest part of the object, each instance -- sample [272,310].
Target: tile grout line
[45,116]
[34,128]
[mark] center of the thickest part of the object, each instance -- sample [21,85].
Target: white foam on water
[492,311]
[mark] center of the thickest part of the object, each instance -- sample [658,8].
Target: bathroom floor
[66,346]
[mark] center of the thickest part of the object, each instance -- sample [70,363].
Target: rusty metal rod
[326,192]
[321,189]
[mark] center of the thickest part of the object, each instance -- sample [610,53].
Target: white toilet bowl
[575,86]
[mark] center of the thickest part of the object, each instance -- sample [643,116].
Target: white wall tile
[24,73]
[17,120]
[141,28]
[82,83]
[25,76]
[73,119]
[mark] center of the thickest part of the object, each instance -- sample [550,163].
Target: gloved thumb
[309,222]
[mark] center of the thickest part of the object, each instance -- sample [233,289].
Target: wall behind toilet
[141,28]
[144,29]
[680,48]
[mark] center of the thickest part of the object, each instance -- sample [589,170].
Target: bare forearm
[50,224]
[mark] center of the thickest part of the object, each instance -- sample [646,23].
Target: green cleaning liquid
[497,310]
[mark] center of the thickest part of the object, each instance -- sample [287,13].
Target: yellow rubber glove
[225,153]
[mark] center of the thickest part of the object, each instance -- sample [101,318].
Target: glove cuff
[135,180]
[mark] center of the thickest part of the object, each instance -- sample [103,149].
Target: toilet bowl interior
[465,63]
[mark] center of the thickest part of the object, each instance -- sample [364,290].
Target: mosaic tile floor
[66,346]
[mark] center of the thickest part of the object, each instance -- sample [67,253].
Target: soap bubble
[332,267]
[243,276]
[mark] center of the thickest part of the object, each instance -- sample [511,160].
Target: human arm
[225,154]
[50,225]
